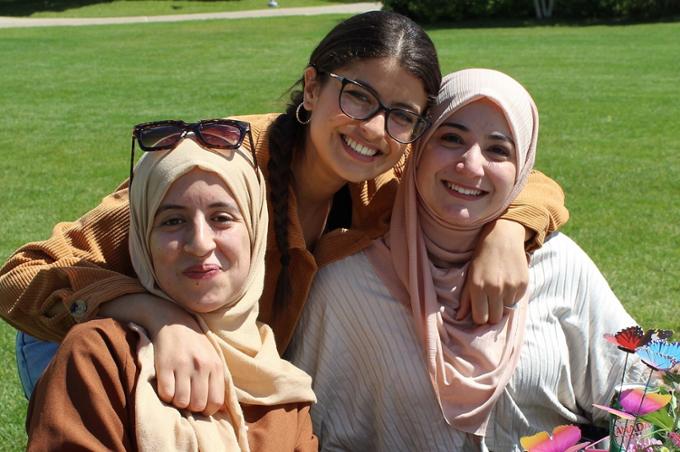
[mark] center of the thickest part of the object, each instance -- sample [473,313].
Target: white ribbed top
[360,348]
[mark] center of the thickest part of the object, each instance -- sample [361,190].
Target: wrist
[149,311]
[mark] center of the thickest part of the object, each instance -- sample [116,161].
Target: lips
[204,271]
[462,191]
[359,150]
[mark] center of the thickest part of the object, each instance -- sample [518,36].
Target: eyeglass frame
[193,127]
[344,81]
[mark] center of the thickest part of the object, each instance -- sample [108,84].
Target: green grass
[119,8]
[608,97]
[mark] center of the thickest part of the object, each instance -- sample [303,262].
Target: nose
[374,127]
[472,162]
[200,238]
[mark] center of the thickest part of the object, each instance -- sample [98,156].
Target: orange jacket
[48,286]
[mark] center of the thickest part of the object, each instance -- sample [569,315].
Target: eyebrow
[411,107]
[502,137]
[492,135]
[214,205]
[455,125]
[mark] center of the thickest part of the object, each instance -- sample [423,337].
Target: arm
[46,287]
[539,208]
[189,371]
[498,275]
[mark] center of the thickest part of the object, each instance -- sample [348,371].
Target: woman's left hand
[498,274]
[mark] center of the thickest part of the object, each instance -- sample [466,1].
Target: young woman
[329,166]
[198,234]
[393,367]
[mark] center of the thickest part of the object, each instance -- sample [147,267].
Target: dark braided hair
[376,34]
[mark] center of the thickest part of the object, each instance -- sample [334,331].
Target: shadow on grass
[25,8]
[22,8]
[519,23]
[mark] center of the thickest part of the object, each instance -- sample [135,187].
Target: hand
[189,371]
[498,274]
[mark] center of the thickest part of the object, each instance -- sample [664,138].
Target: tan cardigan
[48,286]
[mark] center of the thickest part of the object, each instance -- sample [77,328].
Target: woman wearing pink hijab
[393,367]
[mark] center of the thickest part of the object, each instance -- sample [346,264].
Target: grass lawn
[608,97]
[119,8]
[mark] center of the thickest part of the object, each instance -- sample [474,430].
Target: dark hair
[376,34]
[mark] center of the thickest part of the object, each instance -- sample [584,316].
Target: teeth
[360,148]
[463,190]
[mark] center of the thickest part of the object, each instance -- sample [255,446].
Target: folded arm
[499,274]
[48,286]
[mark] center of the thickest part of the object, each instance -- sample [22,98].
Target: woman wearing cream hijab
[393,367]
[197,238]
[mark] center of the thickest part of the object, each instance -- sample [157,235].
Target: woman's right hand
[189,371]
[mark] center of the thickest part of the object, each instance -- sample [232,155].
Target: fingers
[165,382]
[480,308]
[189,371]
[464,306]
[182,396]
[215,399]
[198,391]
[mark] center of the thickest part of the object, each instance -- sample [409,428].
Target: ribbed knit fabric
[47,286]
[370,377]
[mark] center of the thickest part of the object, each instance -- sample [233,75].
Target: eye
[451,139]
[223,217]
[170,222]
[358,95]
[500,152]
[403,117]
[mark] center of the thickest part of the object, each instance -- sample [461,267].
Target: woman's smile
[203,271]
[463,191]
[360,151]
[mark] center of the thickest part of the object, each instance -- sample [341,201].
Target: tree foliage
[455,10]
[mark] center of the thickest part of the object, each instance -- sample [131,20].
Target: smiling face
[346,149]
[199,243]
[468,166]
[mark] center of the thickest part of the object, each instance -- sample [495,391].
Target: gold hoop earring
[297,115]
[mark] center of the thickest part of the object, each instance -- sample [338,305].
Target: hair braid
[285,135]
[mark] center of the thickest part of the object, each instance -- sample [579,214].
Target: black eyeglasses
[360,101]
[211,133]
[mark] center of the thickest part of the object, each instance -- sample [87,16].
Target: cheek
[504,177]
[235,246]
[163,249]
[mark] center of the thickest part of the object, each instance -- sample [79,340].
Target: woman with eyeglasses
[332,162]
[198,234]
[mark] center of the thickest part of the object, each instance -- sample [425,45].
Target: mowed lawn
[609,98]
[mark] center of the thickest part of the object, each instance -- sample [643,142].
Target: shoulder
[259,127]
[561,251]
[350,270]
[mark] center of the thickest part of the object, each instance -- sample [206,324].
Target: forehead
[389,78]
[198,182]
[483,115]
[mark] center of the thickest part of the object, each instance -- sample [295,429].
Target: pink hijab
[469,365]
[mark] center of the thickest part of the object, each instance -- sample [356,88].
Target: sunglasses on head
[211,133]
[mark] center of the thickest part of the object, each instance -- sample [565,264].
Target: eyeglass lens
[217,135]
[160,136]
[359,103]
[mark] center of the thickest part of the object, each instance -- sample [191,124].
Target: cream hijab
[254,372]
[469,365]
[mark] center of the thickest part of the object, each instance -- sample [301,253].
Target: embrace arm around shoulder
[48,286]
[539,208]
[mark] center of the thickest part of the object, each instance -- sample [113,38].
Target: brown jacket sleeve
[539,207]
[84,401]
[46,287]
